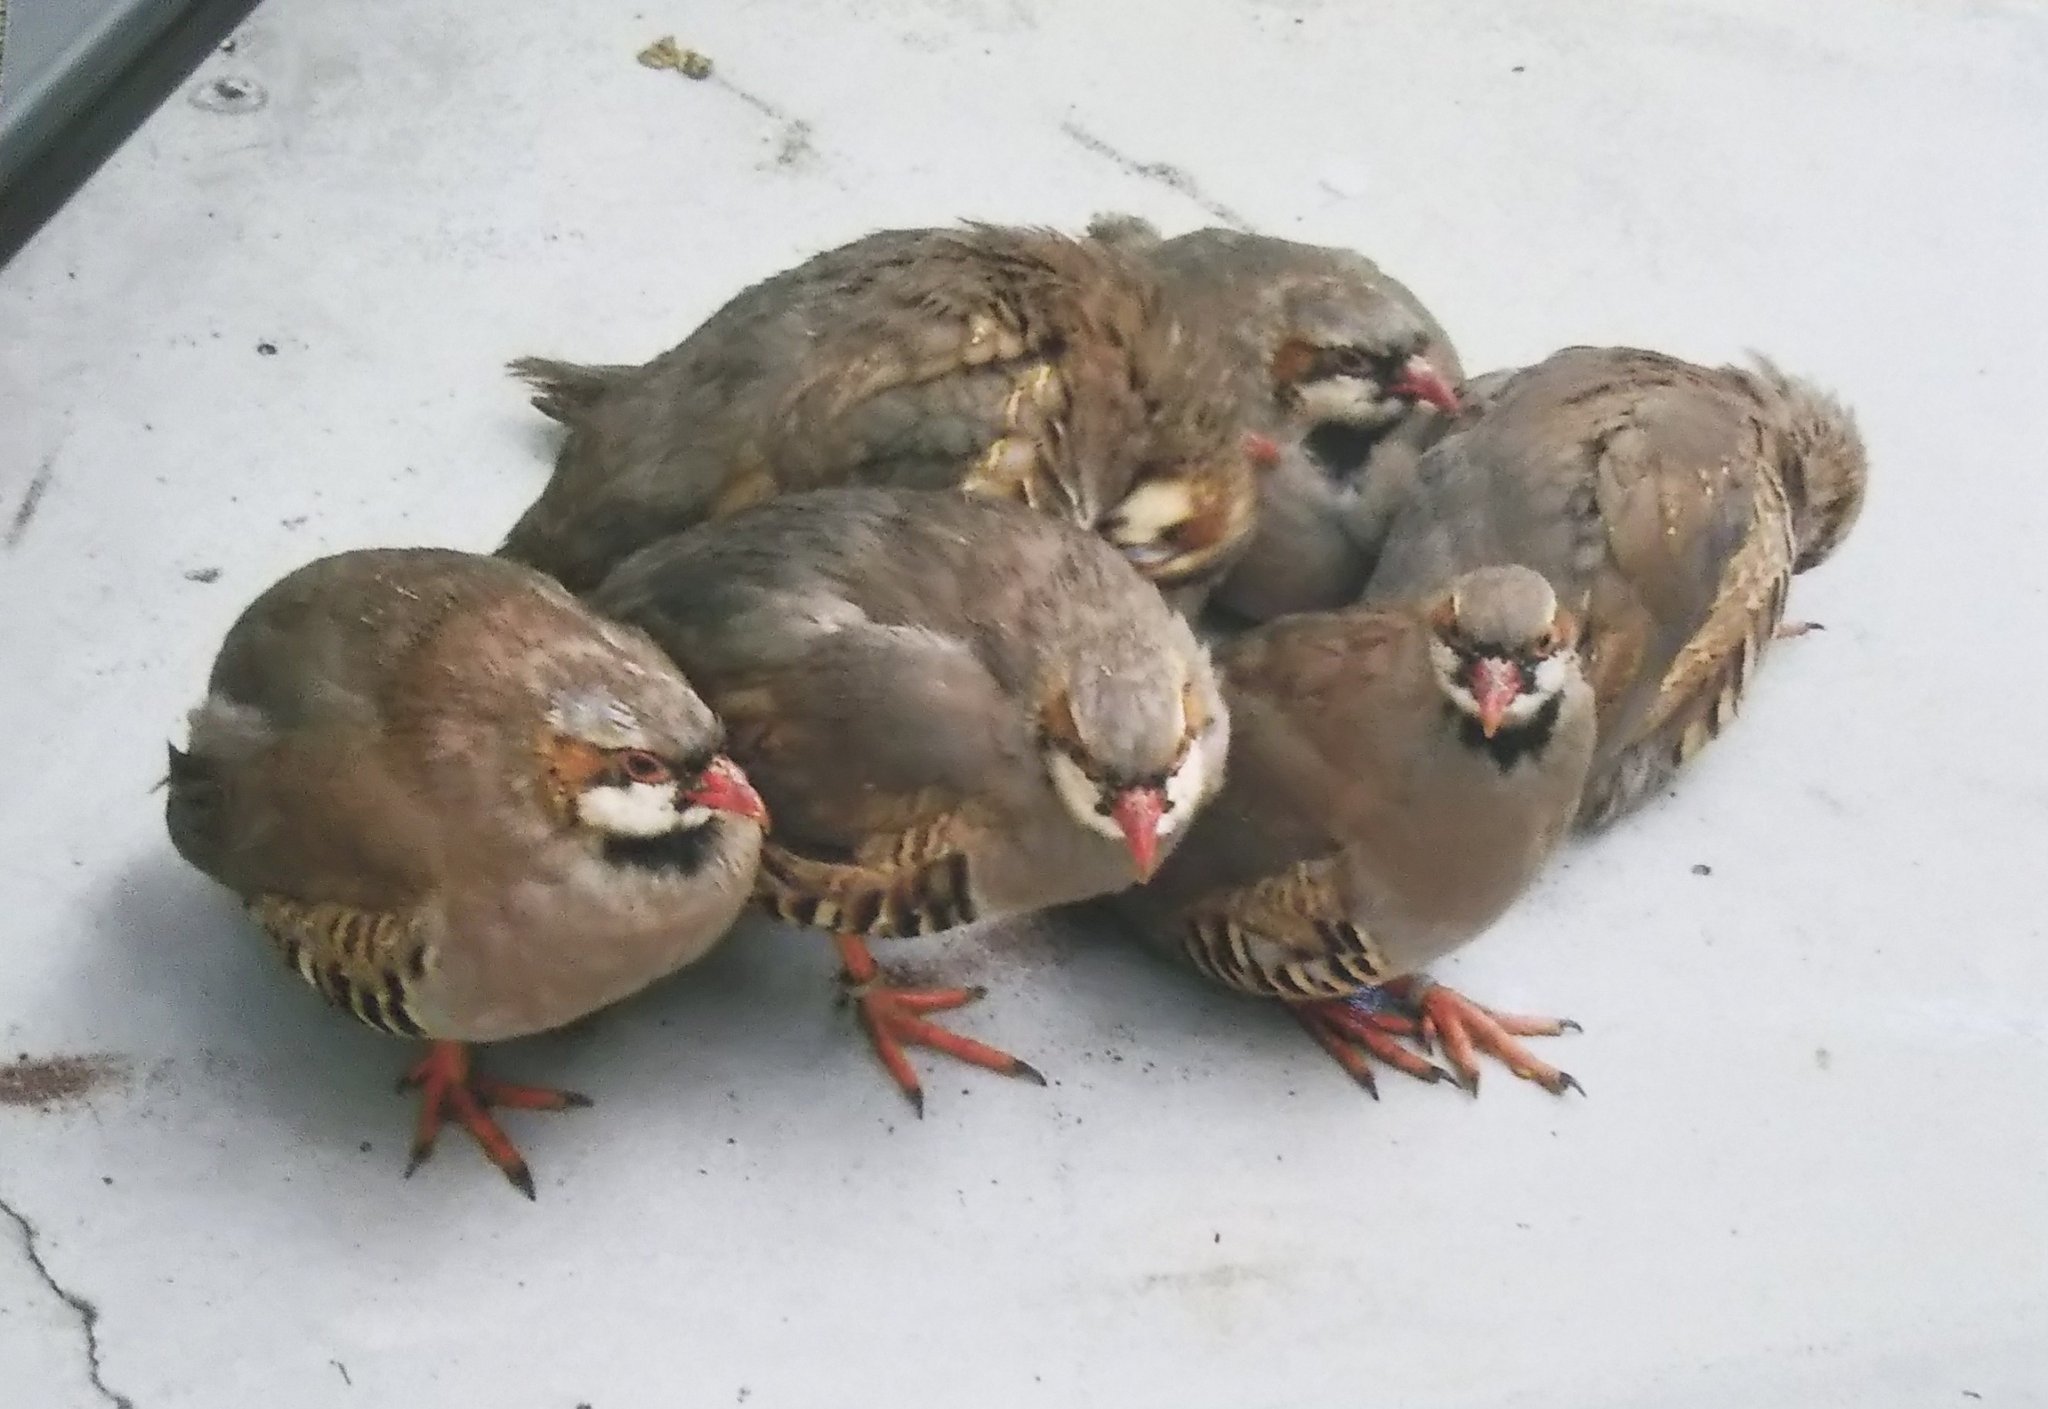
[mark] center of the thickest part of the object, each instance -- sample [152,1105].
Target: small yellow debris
[666,53]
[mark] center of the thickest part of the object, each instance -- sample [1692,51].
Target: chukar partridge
[1016,364]
[1339,368]
[464,807]
[1669,504]
[1396,778]
[956,709]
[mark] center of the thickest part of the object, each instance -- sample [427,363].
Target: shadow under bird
[1340,370]
[1014,364]
[956,709]
[464,807]
[1668,504]
[1397,777]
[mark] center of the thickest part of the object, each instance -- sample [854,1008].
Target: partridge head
[956,709]
[1501,649]
[1341,375]
[1354,362]
[1014,364]
[463,806]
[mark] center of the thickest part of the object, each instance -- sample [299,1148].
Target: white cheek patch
[1351,400]
[632,809]
[1553,671]
[1188,785]
[1147,514]
[1080,795]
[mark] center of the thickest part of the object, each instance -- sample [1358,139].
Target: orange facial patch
[571,766]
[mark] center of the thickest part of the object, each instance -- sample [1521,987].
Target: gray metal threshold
[76,79]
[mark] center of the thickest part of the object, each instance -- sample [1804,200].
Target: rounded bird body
[908,675]
[1397,777]
[1015,364]
[956,709]
[1373,818]
[465,807]
[1669,505]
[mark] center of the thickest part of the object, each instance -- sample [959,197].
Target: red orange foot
[1466,1029]
[448,1087]
[894,1018]
[1355,1034]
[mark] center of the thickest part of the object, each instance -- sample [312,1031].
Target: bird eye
[643,767]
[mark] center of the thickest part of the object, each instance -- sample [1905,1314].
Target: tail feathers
[1825,467]
[1123,231]
[564,391]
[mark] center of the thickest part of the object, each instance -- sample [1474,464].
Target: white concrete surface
[1813,1167]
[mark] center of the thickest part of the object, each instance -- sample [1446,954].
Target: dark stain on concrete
[46,1082]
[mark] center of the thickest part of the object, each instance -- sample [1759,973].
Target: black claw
[1567,1082]
[1565,1025]
[916,1099]
[576,1101]
[1437,1073]
[1027,1071]
[522,1180]
[976,992]
[419,1157]
[406,1082]
[1365,1079]
[1470,1083]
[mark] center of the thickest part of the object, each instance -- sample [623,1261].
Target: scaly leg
[895,1017]
[1466,1029]
[448,1086]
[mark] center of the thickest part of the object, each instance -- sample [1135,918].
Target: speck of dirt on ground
[44,1082]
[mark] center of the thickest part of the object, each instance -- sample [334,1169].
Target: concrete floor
[1813,1166]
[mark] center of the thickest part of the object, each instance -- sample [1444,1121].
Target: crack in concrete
[88,1314]
[1164,172]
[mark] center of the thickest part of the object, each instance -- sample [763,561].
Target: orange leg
[448,1087]
[894,1018]
[1354,1034]
[1466,1029]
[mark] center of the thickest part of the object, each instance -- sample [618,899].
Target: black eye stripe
[626,765]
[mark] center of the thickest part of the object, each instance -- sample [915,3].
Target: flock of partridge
[888,599]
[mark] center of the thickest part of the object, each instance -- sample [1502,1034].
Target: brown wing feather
[914,882]
[1699,534]
[364,962]
[1286,936]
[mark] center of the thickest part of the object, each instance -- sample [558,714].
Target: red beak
[1421,382]
[1494,686]
[723,788]
[1137,811]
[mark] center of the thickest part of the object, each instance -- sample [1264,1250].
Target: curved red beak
[1494,686]
[722,787]
[1420,381]
[1137,811]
